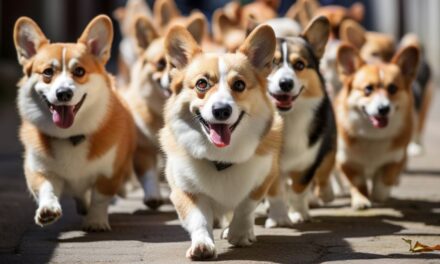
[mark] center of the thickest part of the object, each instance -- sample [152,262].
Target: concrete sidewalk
[336,233]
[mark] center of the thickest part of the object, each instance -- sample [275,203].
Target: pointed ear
[98,37]
[145,32]
[357,11]
[353,33]
[348,61]
[259,47]
[251,24]
[180,47]
[28,38]
[164,11]
[408,61]
[197,25]
[317,34]
[221,24]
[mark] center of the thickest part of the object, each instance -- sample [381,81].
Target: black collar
[76,140]
[219,165]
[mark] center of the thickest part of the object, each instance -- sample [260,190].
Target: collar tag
[222,165]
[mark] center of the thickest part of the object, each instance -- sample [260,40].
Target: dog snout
[221,111]
[383,110]
[64,94]
[286,84]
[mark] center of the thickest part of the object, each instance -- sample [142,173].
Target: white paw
[96,224]
[414,149]
[272,222]
[297,217]
[360,203]
[48,213]
[241,237]
[201,248]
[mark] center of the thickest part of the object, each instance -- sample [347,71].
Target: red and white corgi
[78,135]
[309,134]
[374,119]
[147,93]
[221,136]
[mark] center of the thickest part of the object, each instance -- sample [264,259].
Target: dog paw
[48,214]
[240,238]
[298,218]
[96,225]
[272,222]
[201,249]
[414,149]
[153,203]
[360,203]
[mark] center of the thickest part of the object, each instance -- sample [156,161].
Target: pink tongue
[379,122]
[220,134]
[63,115]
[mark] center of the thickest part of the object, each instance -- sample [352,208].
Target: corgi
[147,93]
[221,136]
[78,135]
[127,48]
[374,120]
[309,134]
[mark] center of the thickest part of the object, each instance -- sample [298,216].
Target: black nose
[384,110]
[221,111]
[286,84]
[64,94]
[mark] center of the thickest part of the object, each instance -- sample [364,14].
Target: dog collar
[76,140]
[222,165]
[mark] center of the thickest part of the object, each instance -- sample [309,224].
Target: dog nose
[384,110]
[64,94]
[221,111]
[286,84]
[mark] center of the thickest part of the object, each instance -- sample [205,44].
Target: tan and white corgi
[374,119]
[221,136]
[78,135]
[309,135]
[147,93]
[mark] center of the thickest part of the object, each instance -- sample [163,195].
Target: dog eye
[392,89]
[238,86]
[299,66]
[48,72]
[79,71]
[202,85]
[161,64]
[368,90]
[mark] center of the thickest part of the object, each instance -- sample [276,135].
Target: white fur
[378,100]
[284,27]
[150,184]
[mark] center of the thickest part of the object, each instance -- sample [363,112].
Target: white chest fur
[71,164]
[227,187]
[297,155]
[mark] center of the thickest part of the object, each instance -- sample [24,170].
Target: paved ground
[336,234]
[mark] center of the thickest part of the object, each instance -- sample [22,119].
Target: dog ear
[145,32]
[28,38]
[259,47]
[164,11]
[197,25]
[348,61]
[303,11]
[408,61]
[180,47]
[353,33]
[98,37]
[317,34]
[357,11]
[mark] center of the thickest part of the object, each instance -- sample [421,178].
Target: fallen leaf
[419,247]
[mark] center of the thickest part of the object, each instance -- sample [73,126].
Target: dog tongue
[220,134]
[379,122]
[63,115]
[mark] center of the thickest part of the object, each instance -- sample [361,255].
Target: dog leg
[385,179]
[49,208]
[358,188]
[197,218]
[96,219]
[278,209]
[299,203]
[150,184]
[241,230]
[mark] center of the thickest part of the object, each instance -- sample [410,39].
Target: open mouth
[63,116]
[284,102]
[219,134]
[376,120]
